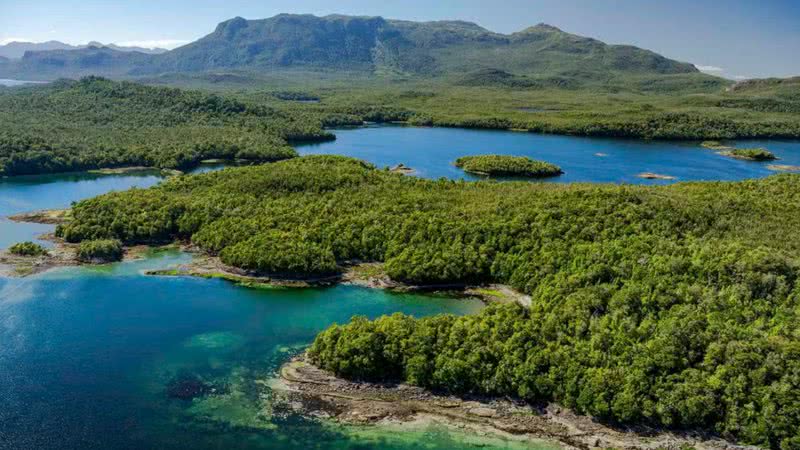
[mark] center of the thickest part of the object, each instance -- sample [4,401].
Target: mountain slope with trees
[368,44]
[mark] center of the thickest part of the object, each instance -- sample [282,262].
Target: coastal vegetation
[27,249]
[504,165]
[100,250]
[96,123]
[673,306]
[753,154]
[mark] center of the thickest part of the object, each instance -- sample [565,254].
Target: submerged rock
[187,387]
[215,340]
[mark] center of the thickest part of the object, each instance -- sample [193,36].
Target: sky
[732,38]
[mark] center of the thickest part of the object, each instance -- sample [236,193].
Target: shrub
[756,154]
[100,250]
[27,249]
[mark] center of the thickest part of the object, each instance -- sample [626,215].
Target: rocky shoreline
[369,275]
[62,254]
[316,393]
[366,274]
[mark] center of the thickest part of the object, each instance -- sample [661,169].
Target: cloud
[156,43]
[710,69]
[740,77]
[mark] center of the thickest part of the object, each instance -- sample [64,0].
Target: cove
[103,357]
[33,193]
[89,355]
[432,151]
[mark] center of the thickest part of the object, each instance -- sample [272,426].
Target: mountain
[121,48]
[16,50]
[370,44]
[90,60]
[377,44]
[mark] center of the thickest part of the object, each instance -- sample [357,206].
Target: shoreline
[365,274]
[313,392]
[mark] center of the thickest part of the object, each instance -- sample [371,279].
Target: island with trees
[668,307]
[507,166]
[672,306]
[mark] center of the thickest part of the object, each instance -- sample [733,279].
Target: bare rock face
[483,412]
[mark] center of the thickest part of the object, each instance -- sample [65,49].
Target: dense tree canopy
[27,248]
[95,123]
[675,305]
[100,250]
[504,165]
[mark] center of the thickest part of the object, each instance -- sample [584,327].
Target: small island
[749,154]
[654,176]
[504,165]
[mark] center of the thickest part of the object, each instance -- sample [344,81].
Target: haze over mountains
[16,50]
[363,44]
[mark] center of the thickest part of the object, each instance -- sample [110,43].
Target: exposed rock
[783,168]
[323,395]
[655,176]
[402,168]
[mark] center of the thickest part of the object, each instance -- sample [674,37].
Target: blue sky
[735,38]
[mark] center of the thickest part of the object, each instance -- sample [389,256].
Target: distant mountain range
[367,44]
[16,50]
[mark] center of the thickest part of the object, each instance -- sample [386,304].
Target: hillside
[97,123]
[367,44]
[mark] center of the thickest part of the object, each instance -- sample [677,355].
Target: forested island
[504,165]
[673,306]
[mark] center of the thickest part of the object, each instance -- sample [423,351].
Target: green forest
[98,123]
[674,306]
[504,165]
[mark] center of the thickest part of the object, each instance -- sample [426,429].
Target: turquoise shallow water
[432,152]
[87,356]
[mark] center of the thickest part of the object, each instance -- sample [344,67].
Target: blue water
[33,193]
[87,354]
[432,152]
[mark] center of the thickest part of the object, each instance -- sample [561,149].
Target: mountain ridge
[368,44]
[17,49]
